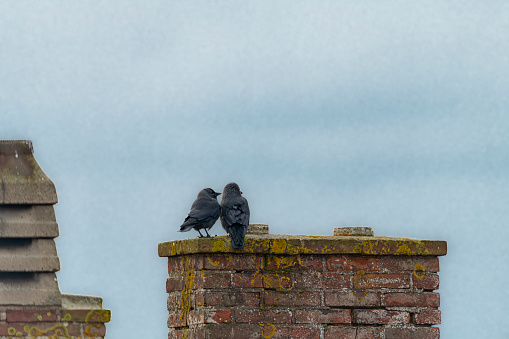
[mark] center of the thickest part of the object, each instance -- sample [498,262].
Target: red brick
[174,301]
[331,281]
[277,281]
[229,331]
[178,264]
[318,280]
[177,319]
[40,329]
[209,316]
[431,317]
[353,263]
[285,332]
[174,284]
[231,262]
[186,333]
[86,316]
[94,330]
[369,333]
[208,279]
[424,299]
[362,281]
[426,282]
[274,298]
[248,280]
[336,332]
[11,329]
[295,262]
[255,316]
[352,299]
[174,264]
[262,330]
[228,298]
[321,316]
[412,332]
[381,316]
[413,263]
[31,315]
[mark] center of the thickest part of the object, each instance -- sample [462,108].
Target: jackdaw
[234,214]
[204,212]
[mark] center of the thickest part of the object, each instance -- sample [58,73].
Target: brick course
[41,321]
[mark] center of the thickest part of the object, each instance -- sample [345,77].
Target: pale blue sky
[389,114]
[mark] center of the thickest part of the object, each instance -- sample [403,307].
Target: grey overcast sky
[389,114]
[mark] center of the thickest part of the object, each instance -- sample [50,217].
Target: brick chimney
[351,285]
[31,305]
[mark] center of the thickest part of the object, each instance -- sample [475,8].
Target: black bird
[204,212]
[234,214]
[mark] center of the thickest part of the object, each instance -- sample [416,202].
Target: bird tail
[187,225]
[237,233]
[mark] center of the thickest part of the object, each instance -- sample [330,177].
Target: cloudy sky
[389,114]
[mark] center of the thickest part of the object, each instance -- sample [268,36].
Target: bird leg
[201,235]
[208,235]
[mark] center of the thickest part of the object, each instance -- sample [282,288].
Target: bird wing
[204,210]
[236,211]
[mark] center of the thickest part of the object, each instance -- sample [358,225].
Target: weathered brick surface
[353,263]
[352,299]
[174,284]
[31,315]
[369,333]
[248,280]
[412,332]
[278,281]
[48,329]
[404,263]
[304,288]
[323,316]
[431,316]
[335,332]
[48,322]
[424,299]
[256,316]
[177,319]
[209,280]
[371,281]
[381,316]
[426,282]
[274,298]
[300,262]
[228,298]
[209,316]
[231,262]
[318,280]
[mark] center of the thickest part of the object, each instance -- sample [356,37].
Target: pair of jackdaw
[233,211]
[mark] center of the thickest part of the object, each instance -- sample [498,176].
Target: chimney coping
[302,244]
[22,181]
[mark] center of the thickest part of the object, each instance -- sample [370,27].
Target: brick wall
[303,287]
[79,317]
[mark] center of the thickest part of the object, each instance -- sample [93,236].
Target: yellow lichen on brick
[263,331]
[278,246]
[403,249]
[185,296]
[419,271]
[219,245]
